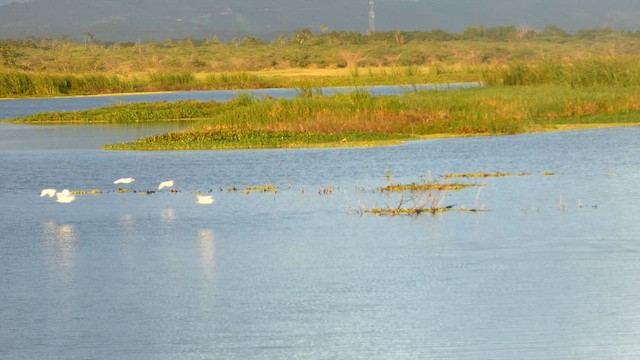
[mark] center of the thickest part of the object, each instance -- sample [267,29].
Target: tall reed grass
[580,73]
[18,83]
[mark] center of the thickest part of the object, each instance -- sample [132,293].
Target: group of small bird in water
[65,196]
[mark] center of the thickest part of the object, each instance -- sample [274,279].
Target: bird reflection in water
[60,246]
[127,222]
[207,251]
[168,215]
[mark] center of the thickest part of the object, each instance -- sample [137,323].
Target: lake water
[552,271]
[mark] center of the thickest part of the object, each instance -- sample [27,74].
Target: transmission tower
[372,18]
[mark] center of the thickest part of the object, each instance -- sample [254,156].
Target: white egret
[48,192]
[163,184]
[203,199]
[124,181]
[65,197]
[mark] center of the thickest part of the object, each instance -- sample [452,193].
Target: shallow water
[551,271]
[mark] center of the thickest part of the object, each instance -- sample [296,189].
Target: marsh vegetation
[362,119]
[532,82]
[50,67]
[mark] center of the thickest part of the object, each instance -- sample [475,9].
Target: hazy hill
[126,20]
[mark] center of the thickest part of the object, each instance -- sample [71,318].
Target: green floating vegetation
[418,211]
[417,187]
[484,175]
[86,192]
[548,173]
[405,211]
[207,139]
[186,110]
[250,189]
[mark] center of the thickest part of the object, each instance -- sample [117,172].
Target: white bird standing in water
[65,197]
[163,184]
[203,199]
[124,181]
[48,192]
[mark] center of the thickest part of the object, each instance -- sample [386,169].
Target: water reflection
[207,252]
[127,221]
[168,215]
[60,246]
[76,137]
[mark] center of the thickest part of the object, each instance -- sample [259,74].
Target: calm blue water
[552,271]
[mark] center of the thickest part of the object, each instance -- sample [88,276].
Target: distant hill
[127,20]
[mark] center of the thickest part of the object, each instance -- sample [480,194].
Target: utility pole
[372,18]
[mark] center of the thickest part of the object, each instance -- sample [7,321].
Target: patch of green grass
[133,113]
[86,192]
[256,188]
[483,174]
[416,187]
[417,211]
[220,139]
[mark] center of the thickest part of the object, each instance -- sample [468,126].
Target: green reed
[18,83]
[238,80]
[579,73]
[166,80]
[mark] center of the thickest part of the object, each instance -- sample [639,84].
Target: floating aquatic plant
[426,186]
[418,211]
[86,192]
[427,196]
[484,174]
[250,189]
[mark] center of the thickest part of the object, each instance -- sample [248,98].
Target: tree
[302,35]
[399,37]
[8,54]
[474,32]
[553,31]
[251,40]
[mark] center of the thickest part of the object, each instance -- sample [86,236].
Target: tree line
[307,37]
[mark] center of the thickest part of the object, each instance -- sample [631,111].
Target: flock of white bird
[65,196]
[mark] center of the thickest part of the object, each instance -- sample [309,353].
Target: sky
[142,19]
